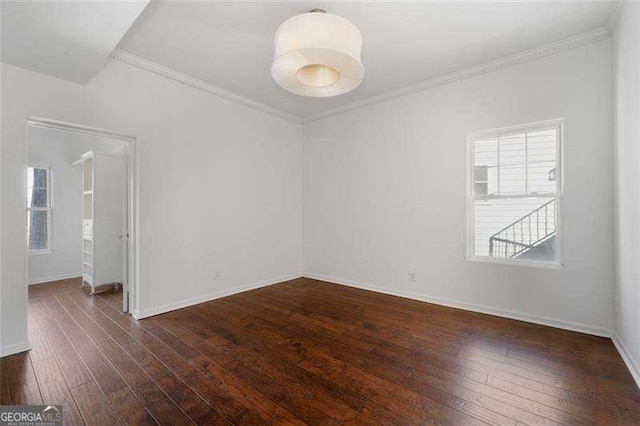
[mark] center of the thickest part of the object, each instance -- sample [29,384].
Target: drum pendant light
[317,54]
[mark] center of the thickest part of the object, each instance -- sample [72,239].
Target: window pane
[519,164]
[37,197]
[37,187]
[37,229]
[541,161]
[486,167]
[512,160]
[522,228]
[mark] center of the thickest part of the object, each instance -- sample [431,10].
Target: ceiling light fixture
[317,54]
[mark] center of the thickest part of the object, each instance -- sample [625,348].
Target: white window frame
[48,209]
[558,195]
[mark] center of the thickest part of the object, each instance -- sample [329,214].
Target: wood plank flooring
[306,351]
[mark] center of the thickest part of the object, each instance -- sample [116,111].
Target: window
[515,195]
[38,209]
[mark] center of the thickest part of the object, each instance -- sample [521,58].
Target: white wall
[220,185]
[384,192]
[626,43]
[58,149]
[23,93]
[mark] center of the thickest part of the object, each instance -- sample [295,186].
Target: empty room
[329,212]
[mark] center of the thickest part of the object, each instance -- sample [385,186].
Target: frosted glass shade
[318,55]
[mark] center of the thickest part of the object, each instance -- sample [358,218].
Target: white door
[110,206]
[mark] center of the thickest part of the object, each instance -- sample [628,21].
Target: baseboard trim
[628,360]
[211,296]
[55,278]
[15,348]
[520,316]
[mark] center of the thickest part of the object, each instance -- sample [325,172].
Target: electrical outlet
[217,275]
[412,276]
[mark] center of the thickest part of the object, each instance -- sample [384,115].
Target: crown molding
[614,16]
[530,55]
[162,71]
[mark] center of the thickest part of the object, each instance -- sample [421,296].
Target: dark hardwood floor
[306,351]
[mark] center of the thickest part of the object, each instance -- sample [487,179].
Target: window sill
[513,262]
[46,251]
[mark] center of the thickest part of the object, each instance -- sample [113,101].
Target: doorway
[80,211]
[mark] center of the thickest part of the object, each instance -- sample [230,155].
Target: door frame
[132,199]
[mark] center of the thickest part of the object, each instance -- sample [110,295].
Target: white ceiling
[70,40]
[230,44]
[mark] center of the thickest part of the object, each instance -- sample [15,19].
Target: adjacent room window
[39,209]
[515,194]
